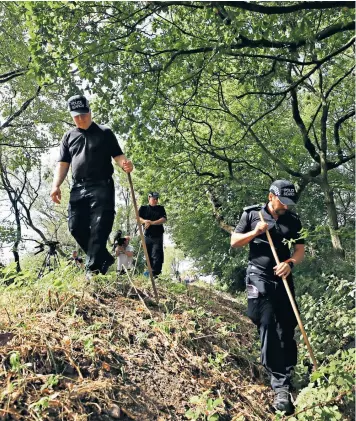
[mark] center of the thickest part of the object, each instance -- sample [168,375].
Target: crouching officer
[268,304]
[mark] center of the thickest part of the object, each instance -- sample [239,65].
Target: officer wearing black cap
[153,216]
[268,304]
[89,148]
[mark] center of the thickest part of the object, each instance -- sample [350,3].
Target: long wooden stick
[291,299]
[142,237]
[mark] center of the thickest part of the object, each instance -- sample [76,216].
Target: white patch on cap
[275,190]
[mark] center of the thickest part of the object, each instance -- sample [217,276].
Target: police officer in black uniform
[153,216]
[268,304]
[89,149]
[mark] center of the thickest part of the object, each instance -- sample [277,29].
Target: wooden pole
[291,299]
[142,238]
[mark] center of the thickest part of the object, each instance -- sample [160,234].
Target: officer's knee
[267,321]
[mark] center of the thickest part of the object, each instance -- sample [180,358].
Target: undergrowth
[103,350]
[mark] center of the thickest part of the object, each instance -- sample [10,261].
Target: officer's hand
[56,194]
[147,224]
[260,228]
[282,270]
[127,166]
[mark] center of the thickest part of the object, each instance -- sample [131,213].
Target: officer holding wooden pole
[269,306]
[153,216]
[89,148]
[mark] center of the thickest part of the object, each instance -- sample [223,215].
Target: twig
[205,336]
[95,404]
[134,269]
[11,412]
[8,316]
[50,299]
[57,297]
[73,363]
[127,273]
[51,356]
[128,413]
[63,304]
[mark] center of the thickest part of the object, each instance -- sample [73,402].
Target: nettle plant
[330,395]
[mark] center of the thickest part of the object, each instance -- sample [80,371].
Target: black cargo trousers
[91,213]
[270,310]
[155,253]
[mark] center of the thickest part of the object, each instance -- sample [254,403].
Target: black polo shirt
[90,152]
[286,227]
[153,213]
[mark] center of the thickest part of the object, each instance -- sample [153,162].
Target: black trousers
[155,252]
[91,214]
[270,310]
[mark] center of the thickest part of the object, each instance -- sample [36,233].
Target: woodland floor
[98,352]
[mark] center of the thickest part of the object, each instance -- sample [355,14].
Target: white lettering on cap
[288,192]
[77,104]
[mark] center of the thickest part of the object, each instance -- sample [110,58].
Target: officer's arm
[159,221]
[298,255]
[60,174]
[124,163]
[284,269]
[239,239]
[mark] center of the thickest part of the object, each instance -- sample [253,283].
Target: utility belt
[259,282]
[101,181]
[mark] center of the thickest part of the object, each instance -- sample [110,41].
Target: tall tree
[232,93]
[31,119]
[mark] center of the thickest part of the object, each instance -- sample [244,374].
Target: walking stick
[142,238]
[291,299]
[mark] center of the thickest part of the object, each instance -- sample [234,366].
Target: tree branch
[306,76]
[273,10]
[5,77]
[23,107]
[328,92]
[244,42]
[217,213]
[258,8]
[273,157]
[308,144]
[337,125]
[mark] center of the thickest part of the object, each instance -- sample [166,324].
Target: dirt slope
[92,352]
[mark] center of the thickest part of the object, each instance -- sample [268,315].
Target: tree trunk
[331,210]
[16,258]
[15,249]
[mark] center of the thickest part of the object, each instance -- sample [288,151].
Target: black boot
[282,402]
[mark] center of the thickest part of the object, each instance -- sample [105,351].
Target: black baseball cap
[285,191]
[153,194]
[78,104]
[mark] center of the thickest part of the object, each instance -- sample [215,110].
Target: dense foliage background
[212,101]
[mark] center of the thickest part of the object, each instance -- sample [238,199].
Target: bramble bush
[326,302]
